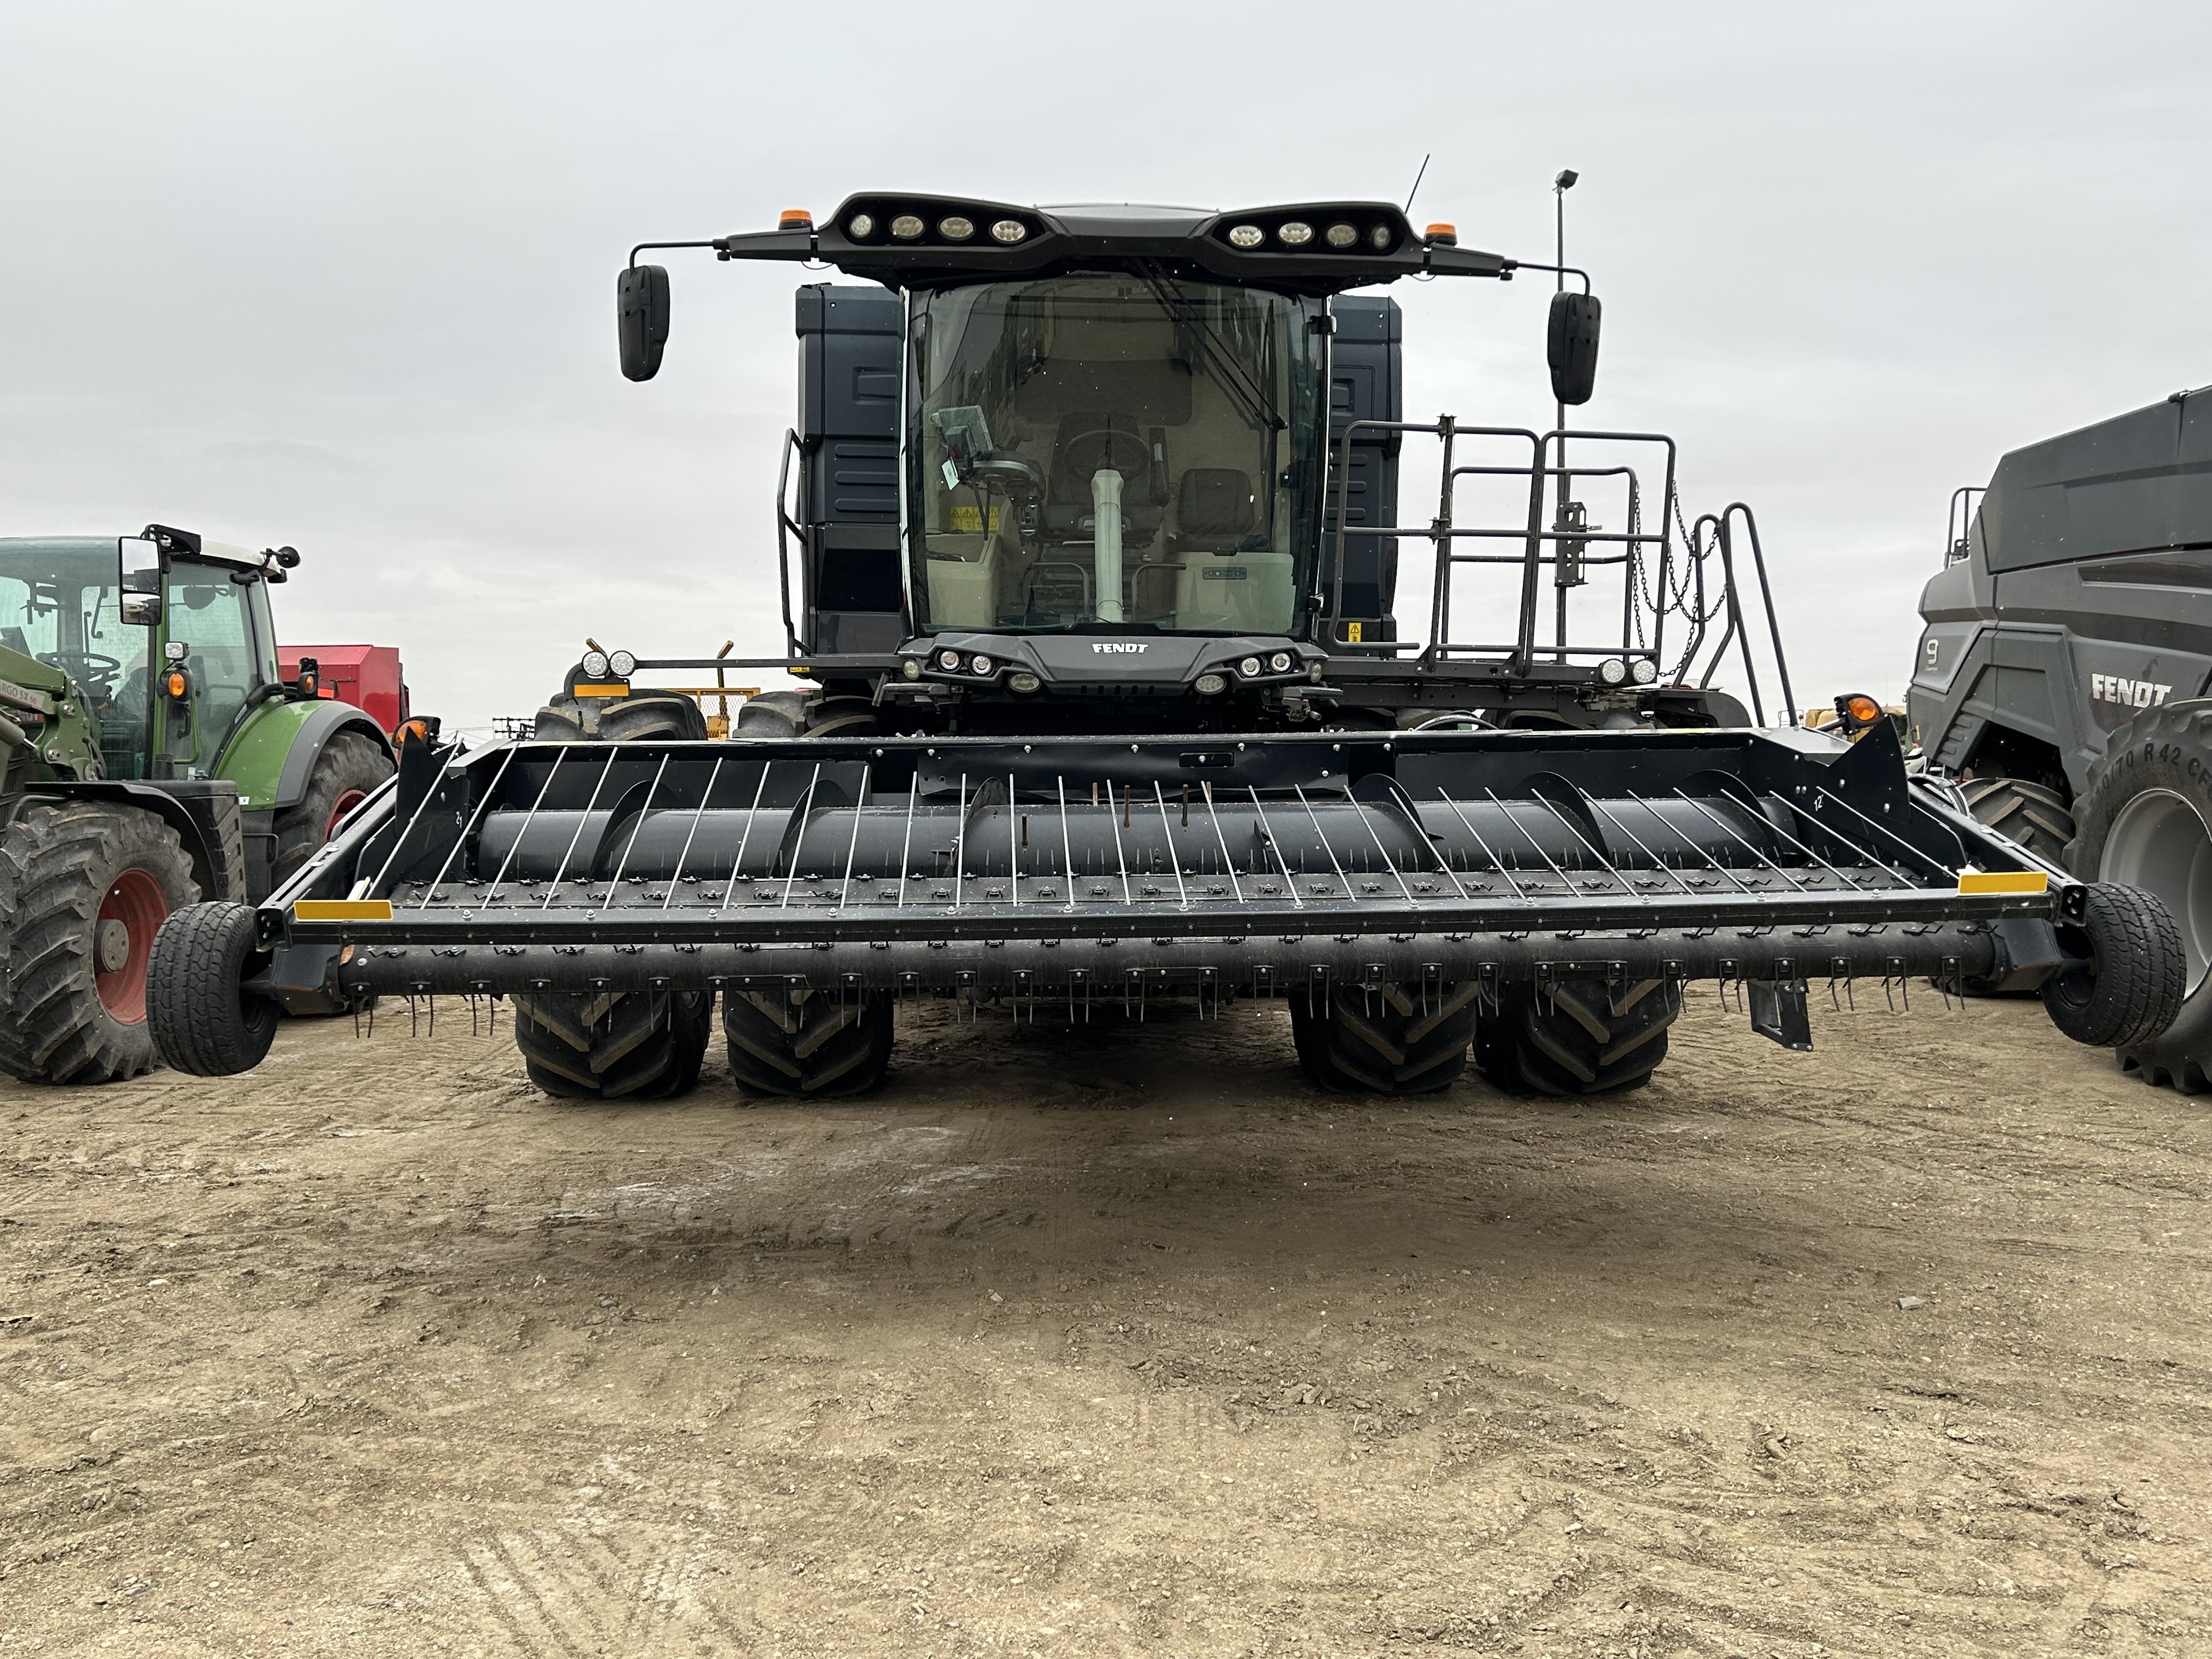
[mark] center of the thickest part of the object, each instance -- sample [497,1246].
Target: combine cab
[1094,520]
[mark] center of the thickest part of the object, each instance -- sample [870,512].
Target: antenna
[1418,177]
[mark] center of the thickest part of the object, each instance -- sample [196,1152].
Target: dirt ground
[1116,1341]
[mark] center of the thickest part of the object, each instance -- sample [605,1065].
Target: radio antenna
[1418,177]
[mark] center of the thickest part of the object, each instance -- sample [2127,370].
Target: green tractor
[154,758]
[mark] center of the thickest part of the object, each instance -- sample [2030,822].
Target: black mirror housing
[641,319]
[1571,346]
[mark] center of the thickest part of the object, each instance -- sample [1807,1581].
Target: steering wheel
[93,669]
[1083,455]
[1011,475]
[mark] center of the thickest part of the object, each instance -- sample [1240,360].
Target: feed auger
[1106,707]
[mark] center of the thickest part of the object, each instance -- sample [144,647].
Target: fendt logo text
[2129,694]
[1117,647]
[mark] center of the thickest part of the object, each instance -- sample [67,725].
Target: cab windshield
[1113,453]
[59,605]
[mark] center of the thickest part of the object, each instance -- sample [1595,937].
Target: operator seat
[1215,511]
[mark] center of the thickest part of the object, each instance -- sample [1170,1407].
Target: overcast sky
[343,277]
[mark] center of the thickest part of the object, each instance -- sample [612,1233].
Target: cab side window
[212,616]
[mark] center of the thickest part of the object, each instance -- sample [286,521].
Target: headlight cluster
[1338,235]
[932,223]
[1258,665]
[948,661]
[598,664]
[1618,671]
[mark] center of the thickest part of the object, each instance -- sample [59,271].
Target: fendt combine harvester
[1095,519]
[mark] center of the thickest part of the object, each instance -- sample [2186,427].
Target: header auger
[1095,522]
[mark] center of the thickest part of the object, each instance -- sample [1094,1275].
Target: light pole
[1567,568]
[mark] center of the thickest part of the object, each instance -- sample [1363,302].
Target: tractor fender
[212,838]
[323,722]
[273,754]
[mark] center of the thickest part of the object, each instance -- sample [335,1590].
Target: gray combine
[2065,676]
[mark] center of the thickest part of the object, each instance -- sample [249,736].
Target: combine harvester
[1095,514]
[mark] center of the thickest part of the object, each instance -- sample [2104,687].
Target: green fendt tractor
[154,758]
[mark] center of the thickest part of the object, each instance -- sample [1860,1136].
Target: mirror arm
[1569,271]
[797,245]
[1439,260]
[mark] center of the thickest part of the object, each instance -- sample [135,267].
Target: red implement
[367,676]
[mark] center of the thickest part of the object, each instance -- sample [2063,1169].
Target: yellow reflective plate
[584,689]
[341,910]
[2004,881]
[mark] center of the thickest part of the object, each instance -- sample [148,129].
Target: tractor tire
[811,1044]
[786,715]
[348,771]
[1580,1037]
[84,889]
[1385,1042]
[2142,817]
[202,1019]
[617,1045]
[645,714]
[2032,814]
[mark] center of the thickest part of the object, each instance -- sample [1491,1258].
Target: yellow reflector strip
[586,689]
[2004,881]
[341,910]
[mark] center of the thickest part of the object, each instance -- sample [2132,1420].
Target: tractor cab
[167,641]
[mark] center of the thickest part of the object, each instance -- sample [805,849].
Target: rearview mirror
[138,581]
[641,319]
[1571,346]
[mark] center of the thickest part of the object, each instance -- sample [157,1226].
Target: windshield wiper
[1249,391]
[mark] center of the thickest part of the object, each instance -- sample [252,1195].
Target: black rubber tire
[786,715]
[202,1020]
[57,866]
[2166,748]
[2136,972]
[812,1044]
[1387,1041]
[617,1045]
[645,714]
[350,762]
[2035,815]
[1581,1037]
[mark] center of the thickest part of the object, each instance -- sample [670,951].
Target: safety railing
[1958,522]
[1672,593]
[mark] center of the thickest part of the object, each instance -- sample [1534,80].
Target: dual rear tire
[1577,1037]
[651,1045]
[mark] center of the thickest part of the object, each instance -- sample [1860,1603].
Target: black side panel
[2140,482]
[848,399]
[1364,385]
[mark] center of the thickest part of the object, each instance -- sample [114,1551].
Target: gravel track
[1120,1340]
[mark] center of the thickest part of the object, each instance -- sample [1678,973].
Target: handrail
[786,526]
[1959,523]
[1640,555]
